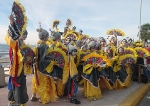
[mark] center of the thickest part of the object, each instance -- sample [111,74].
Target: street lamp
[140,21]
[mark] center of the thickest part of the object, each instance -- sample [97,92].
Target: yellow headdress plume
[55,24]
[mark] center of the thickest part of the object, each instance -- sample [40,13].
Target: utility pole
[140,21]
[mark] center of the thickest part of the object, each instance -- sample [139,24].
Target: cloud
[32,37]
[42,10]
[3,33]
[93,17]
[131,31]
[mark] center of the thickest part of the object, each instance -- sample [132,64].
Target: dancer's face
[123,42]
[67,41]
[130,41]
[112,41]
[121,51]
[84,49]
[103,43]
[74,52]
[93,48]
[108,51]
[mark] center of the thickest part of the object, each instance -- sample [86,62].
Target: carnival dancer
[112,40]
[19,68]
[21,56]
[130,42]
[67,41]
[108,76]
[81,53]
[91,76]
[142,53]
[122,70]
[129,67]
[60,72]
[104,81]
[45,86]
[102,44]
[113,43]
[72,84]
[124,43]
[78,46]
[98,48]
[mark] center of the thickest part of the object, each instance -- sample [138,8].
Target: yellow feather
[95,55]
[23,10]
[143,50]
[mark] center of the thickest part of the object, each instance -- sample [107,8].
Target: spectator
[148,58]
[148,63]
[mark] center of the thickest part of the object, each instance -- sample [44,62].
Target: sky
[94,17]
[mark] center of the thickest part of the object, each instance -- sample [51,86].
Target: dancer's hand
[55,62]
[11,19]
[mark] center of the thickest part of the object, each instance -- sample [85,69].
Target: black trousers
[19,94]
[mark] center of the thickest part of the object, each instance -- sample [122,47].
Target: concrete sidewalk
[109,97]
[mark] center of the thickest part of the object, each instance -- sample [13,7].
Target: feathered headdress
[101,39]
[138,44]
[18,12]
[111,37]
[128,39]
[124,40]
[55,24]
[68,22]
[42,33]
[116,32]
[71,35]
[20,20]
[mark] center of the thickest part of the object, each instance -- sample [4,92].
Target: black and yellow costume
[44,75]
[72,83]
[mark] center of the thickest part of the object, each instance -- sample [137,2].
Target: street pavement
[145,101]
[109,97]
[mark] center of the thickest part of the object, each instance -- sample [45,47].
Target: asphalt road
[145,101]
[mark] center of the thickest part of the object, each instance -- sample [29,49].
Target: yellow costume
[26,67]
[45,87]
[91,76]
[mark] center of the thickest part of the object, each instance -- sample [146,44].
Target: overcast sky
[94,17]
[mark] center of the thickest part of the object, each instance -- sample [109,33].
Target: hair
[120,48]
[91,44]
[55,36]
[71,48]
[42,33]
[124,40]
[25,32]
[98,46]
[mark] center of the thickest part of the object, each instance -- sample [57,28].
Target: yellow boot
[22,104]
[11,103]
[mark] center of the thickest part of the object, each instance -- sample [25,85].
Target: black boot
[75,101]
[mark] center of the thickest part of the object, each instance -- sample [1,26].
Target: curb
[136,96]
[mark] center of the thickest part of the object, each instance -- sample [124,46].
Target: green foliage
[145,34]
